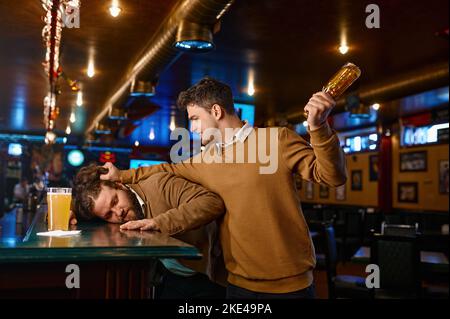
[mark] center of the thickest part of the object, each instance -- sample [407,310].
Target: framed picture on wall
[340,192]
[324,191]
[357,180]
[443,177]
[413,161]
[373,168]
[309,190]
[407,192]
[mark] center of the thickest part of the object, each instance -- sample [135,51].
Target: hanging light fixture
[143,88]
[102,128]
[68,130]
[117,114]
[362,111]
[91,138]
[194,37]
[356,108]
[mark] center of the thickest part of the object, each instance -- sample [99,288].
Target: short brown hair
[206,93]
[87,187]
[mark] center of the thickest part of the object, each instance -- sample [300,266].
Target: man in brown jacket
[267,247]
[169,204]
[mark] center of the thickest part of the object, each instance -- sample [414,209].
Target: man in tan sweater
[267,247]
[169,204]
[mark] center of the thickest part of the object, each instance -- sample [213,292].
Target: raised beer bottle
[342,80]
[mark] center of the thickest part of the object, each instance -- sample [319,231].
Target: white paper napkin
[60,233]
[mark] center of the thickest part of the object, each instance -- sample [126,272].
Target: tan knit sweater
[265,240]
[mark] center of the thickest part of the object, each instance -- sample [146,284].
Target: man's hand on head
[111,173]
[142,224]
[319,108]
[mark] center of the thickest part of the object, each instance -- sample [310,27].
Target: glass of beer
[58,202]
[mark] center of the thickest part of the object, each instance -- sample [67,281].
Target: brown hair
[87,187]
[206,93]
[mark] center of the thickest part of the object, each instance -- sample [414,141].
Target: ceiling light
[194,37]
[251,89]
[251,83]
[68,130]
[343,49]
[136,143]
[376,106]
[90,70]
[79,99]
[151,136]
[72,117]
[172,125]
[114,9]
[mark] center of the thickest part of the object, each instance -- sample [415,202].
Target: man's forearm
[133,176]
[193,214]
[330,166]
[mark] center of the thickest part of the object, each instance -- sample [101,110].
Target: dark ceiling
[290,45]
[114,42]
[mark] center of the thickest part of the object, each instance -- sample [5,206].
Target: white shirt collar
[241,135]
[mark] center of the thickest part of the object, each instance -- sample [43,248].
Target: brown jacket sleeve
[193,205]
[322,160]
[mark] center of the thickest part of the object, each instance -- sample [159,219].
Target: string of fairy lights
[55,11]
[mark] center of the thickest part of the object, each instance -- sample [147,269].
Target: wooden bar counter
[112,263]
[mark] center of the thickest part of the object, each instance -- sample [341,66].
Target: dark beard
[135,204]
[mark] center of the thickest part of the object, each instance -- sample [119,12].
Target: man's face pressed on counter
[116,205]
